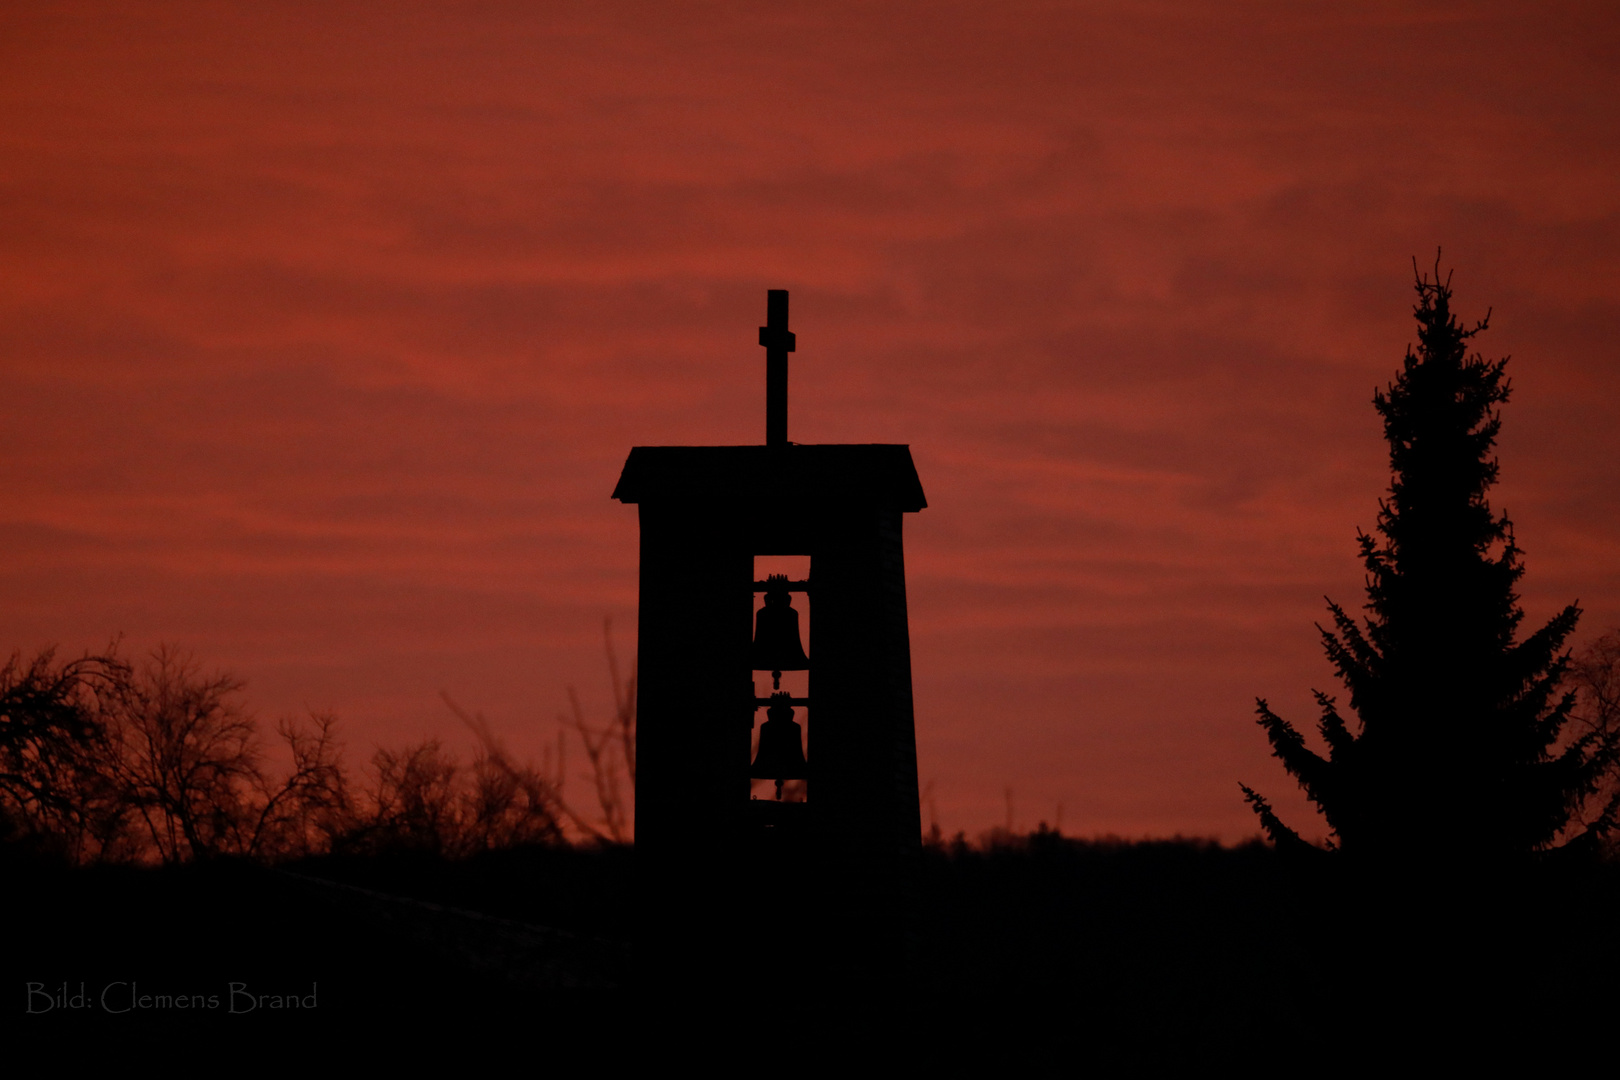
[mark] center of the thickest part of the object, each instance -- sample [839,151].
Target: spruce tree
[1455,747]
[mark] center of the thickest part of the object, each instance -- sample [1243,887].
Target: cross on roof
[778,342]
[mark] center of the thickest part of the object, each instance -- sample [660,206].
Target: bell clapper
[779,791]
[776,680]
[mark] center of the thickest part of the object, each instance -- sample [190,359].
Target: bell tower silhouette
[716,864]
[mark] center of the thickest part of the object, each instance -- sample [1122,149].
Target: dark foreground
[1050,950]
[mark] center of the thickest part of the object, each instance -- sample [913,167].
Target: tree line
[105,759]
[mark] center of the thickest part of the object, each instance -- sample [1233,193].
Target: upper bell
[777,645]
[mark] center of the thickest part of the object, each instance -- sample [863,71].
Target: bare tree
[54,786]
[160,761]
[1596,678]
[187,764]
[522,804]
[422,799]
[611,751]
[509,804]
[624,704]
[412,802]
[187,757]
[309,808]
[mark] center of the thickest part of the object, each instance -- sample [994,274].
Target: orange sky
[325,330]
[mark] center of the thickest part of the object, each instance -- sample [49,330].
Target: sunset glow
[325,332]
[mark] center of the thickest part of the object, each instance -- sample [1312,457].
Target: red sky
[325,330]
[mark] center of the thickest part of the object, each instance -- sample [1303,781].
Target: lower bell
[781,746]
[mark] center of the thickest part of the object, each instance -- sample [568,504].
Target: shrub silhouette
[56,790]
[103,760]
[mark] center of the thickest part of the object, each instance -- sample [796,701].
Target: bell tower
[717,862]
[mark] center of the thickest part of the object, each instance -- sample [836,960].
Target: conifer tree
[1455,745]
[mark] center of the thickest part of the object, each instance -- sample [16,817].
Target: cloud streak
[324,334]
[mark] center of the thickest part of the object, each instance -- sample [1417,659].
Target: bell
[777,645]
[781,746]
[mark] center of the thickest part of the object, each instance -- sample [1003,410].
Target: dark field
[1043,947]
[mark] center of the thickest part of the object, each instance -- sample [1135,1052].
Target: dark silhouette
[106,761]
[777,341]
[778,646]
[849,851]
[611,751]
[1458,723]
[55,790]
[186,756]
[1596,678]
[781,746]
